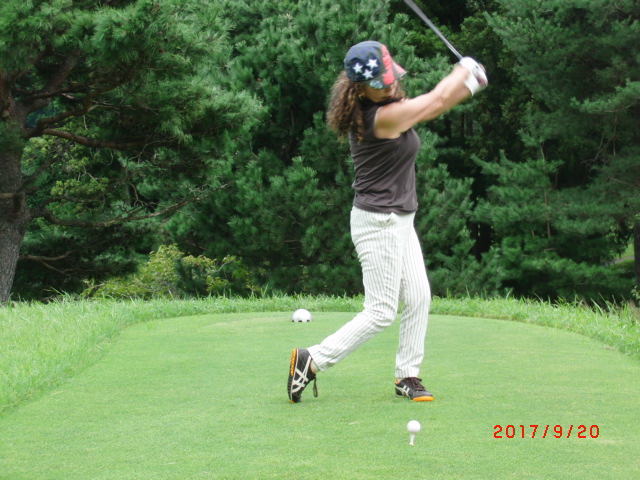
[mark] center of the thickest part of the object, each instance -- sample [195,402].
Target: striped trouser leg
[387,253]
[415,294]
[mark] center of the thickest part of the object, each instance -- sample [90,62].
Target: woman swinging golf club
[369,107]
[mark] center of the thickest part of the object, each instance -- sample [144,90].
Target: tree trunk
[636,249]
[14,213]
[14,218]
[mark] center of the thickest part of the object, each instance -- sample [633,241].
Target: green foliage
[562,211]
[540,227]
[169,273]
[584,97]
[288,202]
[636,296]
[529,188]
[143,90]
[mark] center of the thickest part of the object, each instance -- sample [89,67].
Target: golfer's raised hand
[477,80]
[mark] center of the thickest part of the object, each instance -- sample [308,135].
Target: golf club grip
[426,20]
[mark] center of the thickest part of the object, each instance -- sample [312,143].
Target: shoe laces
[415,383]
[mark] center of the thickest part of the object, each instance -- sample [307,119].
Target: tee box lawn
[204,397]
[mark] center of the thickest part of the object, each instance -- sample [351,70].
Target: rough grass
[617,326]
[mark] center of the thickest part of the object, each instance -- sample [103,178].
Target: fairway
[204,397]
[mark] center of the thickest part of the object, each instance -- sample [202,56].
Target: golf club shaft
[426,20]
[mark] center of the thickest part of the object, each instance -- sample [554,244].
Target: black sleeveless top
[385,168]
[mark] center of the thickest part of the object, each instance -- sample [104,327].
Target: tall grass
[41,345]
[617,326]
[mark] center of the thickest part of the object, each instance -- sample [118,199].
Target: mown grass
[41,345]
[203,397]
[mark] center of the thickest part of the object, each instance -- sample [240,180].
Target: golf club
[426,20]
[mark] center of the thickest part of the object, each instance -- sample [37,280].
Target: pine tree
[290,195]
[553,243]
[578,60]
[133,98]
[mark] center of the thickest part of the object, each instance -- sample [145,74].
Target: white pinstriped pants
[393,271]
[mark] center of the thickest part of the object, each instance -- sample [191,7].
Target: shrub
[171,273]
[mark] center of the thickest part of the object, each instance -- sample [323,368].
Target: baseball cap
[370,62]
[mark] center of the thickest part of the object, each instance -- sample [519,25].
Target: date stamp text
[546,431]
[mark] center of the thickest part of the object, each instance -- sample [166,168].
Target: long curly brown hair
[344,115]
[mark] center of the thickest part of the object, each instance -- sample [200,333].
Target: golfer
[369,107]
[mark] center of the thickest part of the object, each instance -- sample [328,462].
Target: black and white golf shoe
[412,387]
[300,375]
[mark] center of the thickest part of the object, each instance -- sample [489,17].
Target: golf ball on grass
[301,315]
[413,427]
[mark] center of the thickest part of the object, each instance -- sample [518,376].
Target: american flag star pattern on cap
[371,62]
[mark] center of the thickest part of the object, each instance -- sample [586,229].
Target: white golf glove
[477,80]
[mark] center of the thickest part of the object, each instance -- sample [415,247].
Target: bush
[169,273]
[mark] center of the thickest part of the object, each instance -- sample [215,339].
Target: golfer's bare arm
[395,118]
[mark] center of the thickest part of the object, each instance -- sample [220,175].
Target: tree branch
[60,76]
[88,142]
[39,258]
[53,158]
[45,260]
[51,267]
[41,98]
[28,95]
[131,217]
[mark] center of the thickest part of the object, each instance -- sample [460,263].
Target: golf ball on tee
[413,426]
